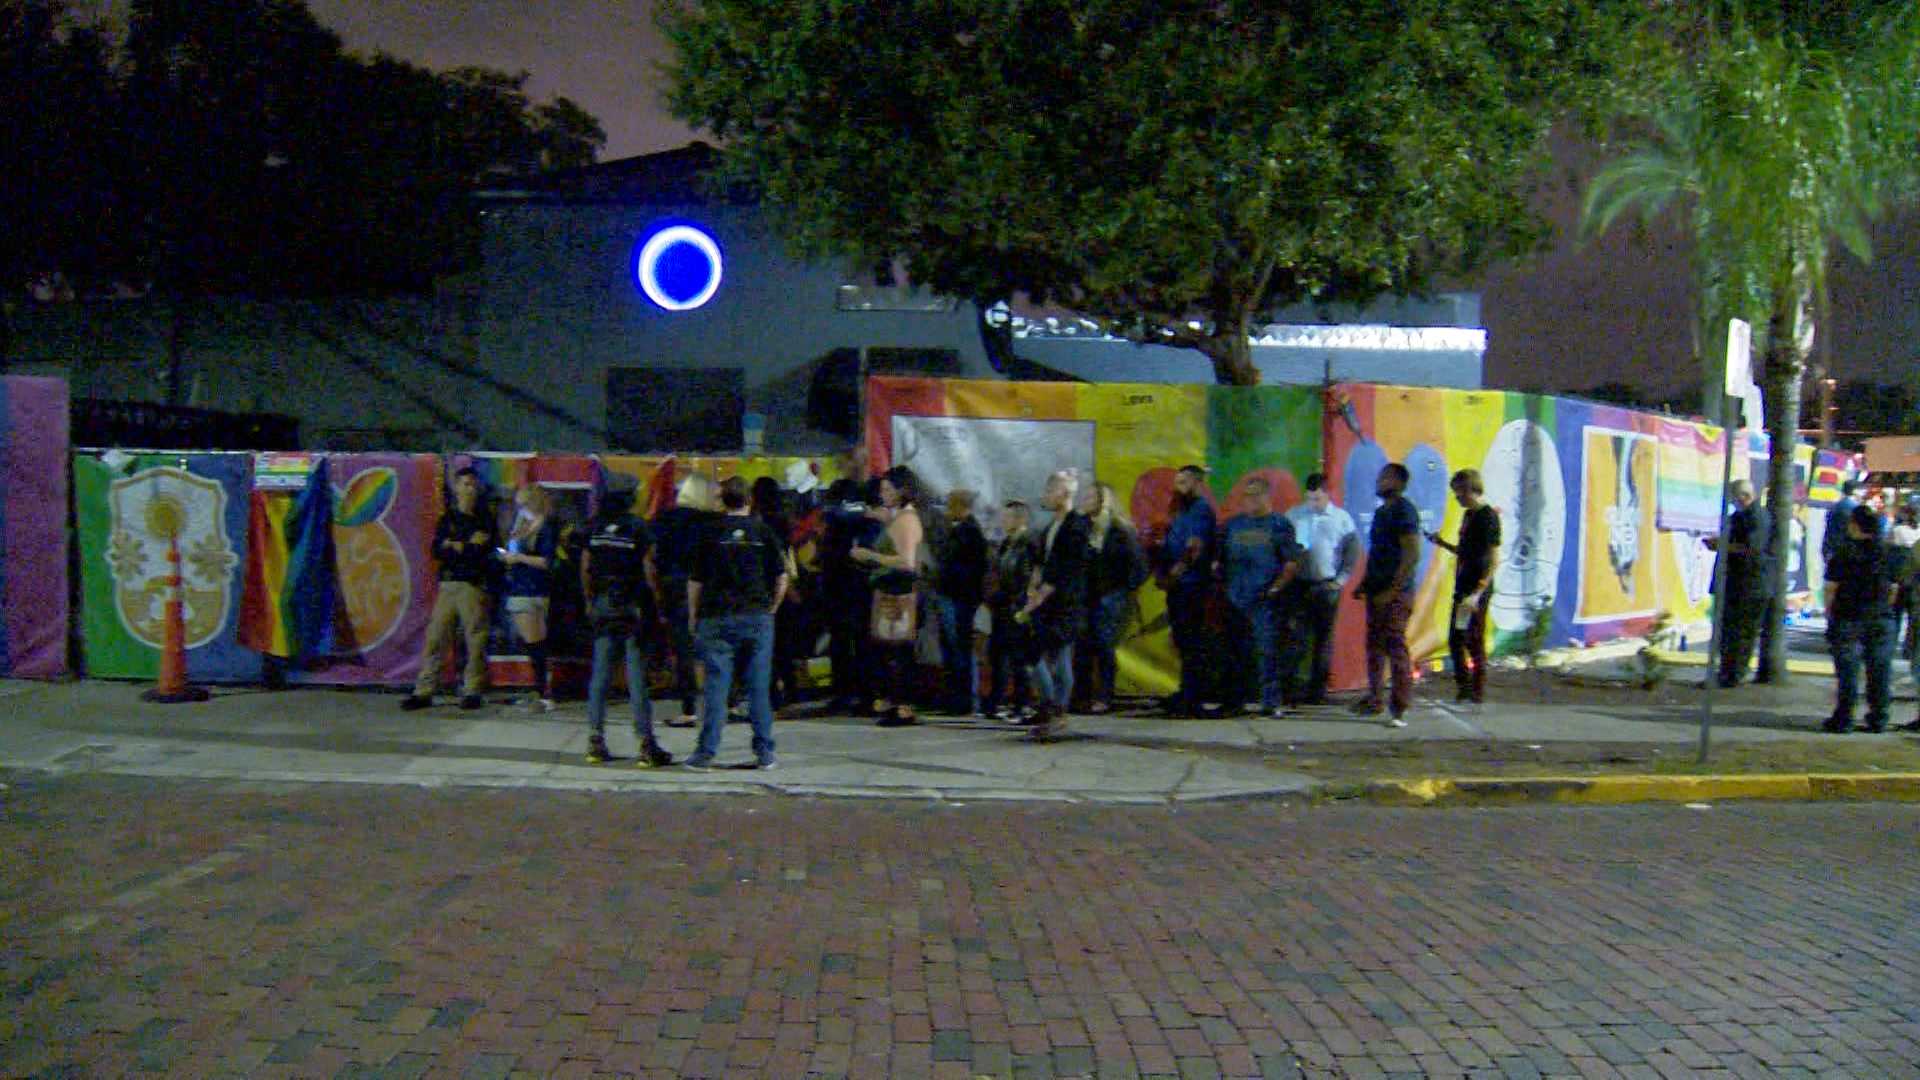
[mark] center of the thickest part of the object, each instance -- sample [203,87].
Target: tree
[1174,168]
[1781,144]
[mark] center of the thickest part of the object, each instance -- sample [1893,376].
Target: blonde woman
[1116,569]
[677,531]
[532,543]
[892,566]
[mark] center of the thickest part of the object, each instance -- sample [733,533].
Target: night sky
[1616,310]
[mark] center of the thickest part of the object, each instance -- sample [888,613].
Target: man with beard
[1187,560]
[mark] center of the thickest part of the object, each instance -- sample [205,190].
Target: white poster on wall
[996,459]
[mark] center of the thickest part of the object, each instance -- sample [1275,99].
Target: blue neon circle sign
[678,266]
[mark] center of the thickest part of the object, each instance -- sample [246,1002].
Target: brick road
[215,929]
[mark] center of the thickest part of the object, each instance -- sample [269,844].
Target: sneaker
[597,752]
[768,762]
[1911,725]
[472,702]
[1396,720]
[1281,712]
[415,702]
[897,718]
[698,762]
[737,714]
[653,756]
[1366,707]
[683,720]
[1834,725]
[546,705]
[1047,731]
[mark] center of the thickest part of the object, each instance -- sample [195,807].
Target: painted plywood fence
[129,507]
[33,527]
[1605,510]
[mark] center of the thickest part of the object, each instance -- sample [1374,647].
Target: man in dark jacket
[463,543]
[1056,605]
[962,561]
[1861,619]
[1749,557]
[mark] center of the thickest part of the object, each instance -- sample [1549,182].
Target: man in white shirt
[1332,546]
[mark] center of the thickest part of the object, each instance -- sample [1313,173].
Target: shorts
[528,605]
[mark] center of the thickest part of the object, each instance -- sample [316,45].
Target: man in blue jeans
[1056,607]
[738,579]
[618,584]
[1258,560]
[1862,581]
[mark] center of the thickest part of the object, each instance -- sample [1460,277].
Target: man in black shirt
[1475,556]
[1056,605]
[1393,563]
[1749,557]
[463,543]
[618,583]
[739,578]
[1861,620]
[962,560]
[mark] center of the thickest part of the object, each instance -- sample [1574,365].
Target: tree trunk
[1232,356]
[1786,361]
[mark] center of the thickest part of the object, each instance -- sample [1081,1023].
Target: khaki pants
[467,605]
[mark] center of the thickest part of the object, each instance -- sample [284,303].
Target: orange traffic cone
[172,686]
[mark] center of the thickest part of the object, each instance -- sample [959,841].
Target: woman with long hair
[532,545]
[676,533]
[892,565]
[1116,570]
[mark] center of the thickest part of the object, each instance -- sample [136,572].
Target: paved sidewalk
[318,735]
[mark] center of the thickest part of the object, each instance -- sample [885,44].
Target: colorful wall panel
[131,510]
[1134,437]
[33,527]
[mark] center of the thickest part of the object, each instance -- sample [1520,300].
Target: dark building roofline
[669,178]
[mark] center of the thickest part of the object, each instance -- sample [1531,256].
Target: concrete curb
[1603,790]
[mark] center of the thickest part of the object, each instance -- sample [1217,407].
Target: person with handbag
[892,566]
[619,583]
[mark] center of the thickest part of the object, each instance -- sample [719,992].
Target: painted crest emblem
[151,509]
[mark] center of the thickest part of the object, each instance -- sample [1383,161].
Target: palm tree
[1778,149]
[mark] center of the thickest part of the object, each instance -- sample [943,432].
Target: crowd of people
[736,585]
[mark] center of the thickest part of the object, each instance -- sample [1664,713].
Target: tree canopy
[1780,137]
[1175,168]
[234,146]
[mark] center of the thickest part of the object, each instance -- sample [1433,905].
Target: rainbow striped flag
[291,599]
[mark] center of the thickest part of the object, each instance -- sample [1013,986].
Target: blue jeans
[1109,617]
[956,651]
[1869,642]
[1261,622]
[603,646]
[1053,676]
[719,640]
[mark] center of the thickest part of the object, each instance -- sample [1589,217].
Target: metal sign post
[1739,383]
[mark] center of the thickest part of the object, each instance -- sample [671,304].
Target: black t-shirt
[1863,573]
[1395,519]
[677,531]
[1479,538]
[616,566]
[737,562]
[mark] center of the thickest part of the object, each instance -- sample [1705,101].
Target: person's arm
[1409,560]
[650,569]
[1443,544]
[779,592]
[444,545]
[693,603]
[586,575]
[1346,558]
[1290,554]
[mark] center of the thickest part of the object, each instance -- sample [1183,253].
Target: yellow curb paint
[1604,790]
[1695,659]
